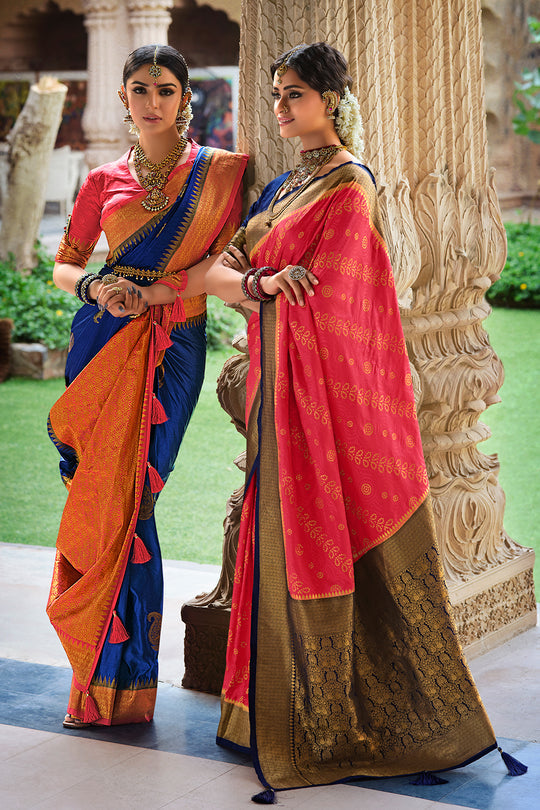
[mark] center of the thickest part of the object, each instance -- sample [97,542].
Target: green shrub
[223,323]
[41,313]
[519,284]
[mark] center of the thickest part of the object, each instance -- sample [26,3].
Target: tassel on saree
[158,412]
[429,778]
[178,312]
[156,482]
[515,767]
[140,553]
[264,797]
[118,631]
[91,713]
[162,339]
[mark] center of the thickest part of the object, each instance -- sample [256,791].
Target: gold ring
[109,278]
[297,272]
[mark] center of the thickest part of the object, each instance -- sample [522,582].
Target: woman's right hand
[293,290]
[236,259]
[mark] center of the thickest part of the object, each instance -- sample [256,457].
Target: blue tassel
[515,767]
[428,778]
[265,797]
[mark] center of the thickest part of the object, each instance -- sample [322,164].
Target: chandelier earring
[133,128]
[185,114]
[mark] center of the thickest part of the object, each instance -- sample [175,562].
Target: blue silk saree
[132,386]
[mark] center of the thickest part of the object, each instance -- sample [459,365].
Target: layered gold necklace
[311,162]
[158,173]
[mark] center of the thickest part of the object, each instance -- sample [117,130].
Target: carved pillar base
[205,645]
[495,606]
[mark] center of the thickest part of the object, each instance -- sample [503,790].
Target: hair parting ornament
[155,70]
[283,68]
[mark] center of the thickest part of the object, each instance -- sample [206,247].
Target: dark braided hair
[166,57]
[319,65]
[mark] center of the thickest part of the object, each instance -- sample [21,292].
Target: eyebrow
[289,87]
[144,84]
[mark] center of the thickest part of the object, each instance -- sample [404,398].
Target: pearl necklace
[158,174]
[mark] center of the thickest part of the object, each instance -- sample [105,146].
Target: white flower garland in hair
[349,126]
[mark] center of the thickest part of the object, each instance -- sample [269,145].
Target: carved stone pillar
[418,67]
[107,50]
[149,21]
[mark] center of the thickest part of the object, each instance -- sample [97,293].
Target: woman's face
[154,102]
[301,111]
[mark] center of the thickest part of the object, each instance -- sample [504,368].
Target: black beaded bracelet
[81,287]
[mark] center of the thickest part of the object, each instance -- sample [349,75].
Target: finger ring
[297,272]
[116,289]
[109,278]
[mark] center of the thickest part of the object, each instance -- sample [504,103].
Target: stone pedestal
[36,361]
[205,645]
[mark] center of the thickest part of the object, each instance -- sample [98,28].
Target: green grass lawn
[192,506]
[515,423]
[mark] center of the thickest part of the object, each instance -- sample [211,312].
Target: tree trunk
[31,143]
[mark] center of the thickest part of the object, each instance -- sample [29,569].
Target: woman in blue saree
[134,372]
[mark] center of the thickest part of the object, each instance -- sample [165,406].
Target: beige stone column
[149,21]
[107,49]
[418,68]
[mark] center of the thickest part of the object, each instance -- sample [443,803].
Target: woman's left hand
[122,298]
[293,288]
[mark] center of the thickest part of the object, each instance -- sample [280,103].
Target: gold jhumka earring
[185,115]
[332,99]
[133,128]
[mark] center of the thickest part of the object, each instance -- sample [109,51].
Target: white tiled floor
[56,772]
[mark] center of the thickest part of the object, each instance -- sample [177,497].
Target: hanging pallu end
[140,553]
[158,412]
[515,767]
[264,797]
[91,713]
[428,778]
[118,631]
[162,340]
[155,479]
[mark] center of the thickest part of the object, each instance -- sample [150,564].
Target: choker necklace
[158,174]
[311,162]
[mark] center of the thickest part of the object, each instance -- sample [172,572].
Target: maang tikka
[155,70]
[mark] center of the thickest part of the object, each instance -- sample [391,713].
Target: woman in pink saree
[343,659]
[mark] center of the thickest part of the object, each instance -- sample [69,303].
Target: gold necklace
[158,174]
[311,162]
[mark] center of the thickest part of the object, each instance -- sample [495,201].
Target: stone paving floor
[174,761]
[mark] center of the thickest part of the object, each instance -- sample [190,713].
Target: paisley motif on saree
[342,659]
